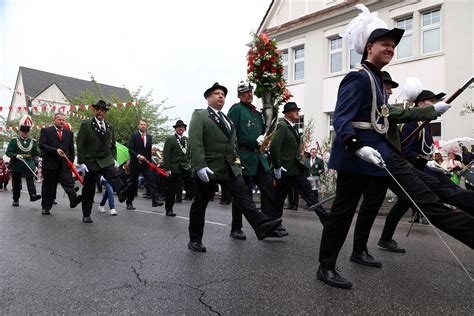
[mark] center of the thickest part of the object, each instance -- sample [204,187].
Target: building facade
[436,48]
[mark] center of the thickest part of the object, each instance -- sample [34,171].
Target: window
[299,63]
[354,59]
[331,131]
[335,55]
[404,48]
[431,31]
[284,61]
[300,123]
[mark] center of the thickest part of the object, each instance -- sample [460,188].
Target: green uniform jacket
[174,159]
[317,166]
[285,150]
[397,114]
[30,155]
[93,149]
[212,146]
[249,126]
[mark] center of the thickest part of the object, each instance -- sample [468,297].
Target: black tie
[296,131]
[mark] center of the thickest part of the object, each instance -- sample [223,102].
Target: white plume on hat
[359,29]
[411,89]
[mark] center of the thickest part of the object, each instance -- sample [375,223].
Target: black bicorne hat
[395,34]
[428,95]
[215,86]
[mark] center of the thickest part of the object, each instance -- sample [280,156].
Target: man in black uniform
[57,142]
[139,147]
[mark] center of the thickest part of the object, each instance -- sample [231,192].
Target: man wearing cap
[212,140]
[139,149]
[23,152]
[175,163]
[249,127]
[288,162]
[419,150]
[362,150]
[96,154]
[56,142]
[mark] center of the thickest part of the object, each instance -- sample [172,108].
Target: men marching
[139,148]
[57,145]
[96,153]
[289,164]
[212,140]
[175,163]
[249,127]
[23,152]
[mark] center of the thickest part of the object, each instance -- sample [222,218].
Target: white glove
[433,165]
[370,155]
[202,174]
[278,171]
[83,167]
[168,172]
[260,139]
[441,107]
[19,157]
[116,165]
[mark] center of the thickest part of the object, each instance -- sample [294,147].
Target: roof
[36,81]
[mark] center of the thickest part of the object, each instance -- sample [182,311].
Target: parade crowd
[232,150]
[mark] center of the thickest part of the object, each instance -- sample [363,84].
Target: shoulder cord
[22,148]
[375,114]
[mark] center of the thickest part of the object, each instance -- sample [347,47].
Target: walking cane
[382,163]
[332,197]
[151,165]
[73,168]
[23,160]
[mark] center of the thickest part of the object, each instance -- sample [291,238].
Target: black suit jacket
[49,142]
[135,146]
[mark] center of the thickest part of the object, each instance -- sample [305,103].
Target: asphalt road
[138,263]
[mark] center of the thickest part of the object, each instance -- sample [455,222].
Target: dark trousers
[188,186]
[204,191]
[150,182]
[349,189]
[16,183]
[51,178]
[173,183]
[293,197]
[88,191]
[446,190]
[264,182]
[286,183]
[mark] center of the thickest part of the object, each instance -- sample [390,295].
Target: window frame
[430,27]
[406,34]
[287,63]
[297,61]
[335,51]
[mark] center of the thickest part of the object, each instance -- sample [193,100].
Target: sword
[332,197]
[382,163]
[23,160]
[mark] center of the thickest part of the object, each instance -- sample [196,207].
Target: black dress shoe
[87,219]
[15,203]
[278,233]
[332,278]
[281,228]
[365,259]
[238,234]
[156,203]
[45,212]
[196,246]
[170,213]
[76,201]
[130,207]
[266,228]
[35,198]
[390,245]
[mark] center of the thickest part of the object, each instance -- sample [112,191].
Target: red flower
[274,70]
[264,37]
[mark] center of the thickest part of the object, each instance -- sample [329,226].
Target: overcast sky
[176,48]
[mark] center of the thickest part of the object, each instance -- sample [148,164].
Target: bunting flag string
[56,106]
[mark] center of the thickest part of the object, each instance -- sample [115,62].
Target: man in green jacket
[23,152]
[212,141]
[175,163]
[286,152]
[249,127]
[96,154]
